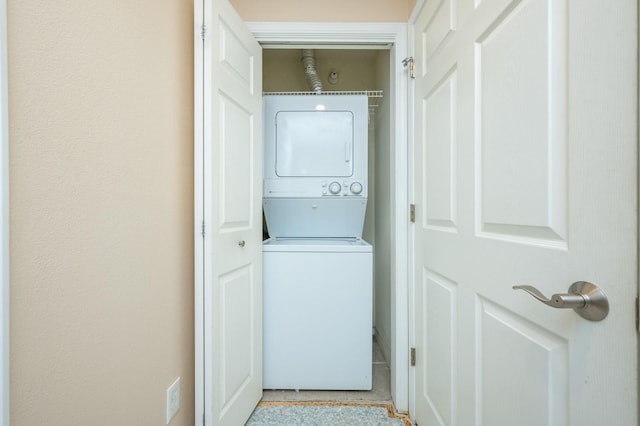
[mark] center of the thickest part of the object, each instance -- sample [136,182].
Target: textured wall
[324,10]
[4,225]
[101,118]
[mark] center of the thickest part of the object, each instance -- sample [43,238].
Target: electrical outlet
[173,400]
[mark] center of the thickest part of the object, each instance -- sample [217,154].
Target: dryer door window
[314,143]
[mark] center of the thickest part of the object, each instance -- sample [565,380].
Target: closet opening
[342,70]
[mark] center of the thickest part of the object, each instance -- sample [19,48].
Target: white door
[229,176]
[525,173]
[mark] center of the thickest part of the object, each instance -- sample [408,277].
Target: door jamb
[4,225]
[4,222]
[201,406]
[394,34]
[412,276]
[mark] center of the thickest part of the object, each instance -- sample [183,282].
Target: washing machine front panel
[318,301]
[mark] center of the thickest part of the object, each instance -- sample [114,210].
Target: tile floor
[381,391]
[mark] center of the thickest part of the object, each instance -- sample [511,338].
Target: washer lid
[323,245]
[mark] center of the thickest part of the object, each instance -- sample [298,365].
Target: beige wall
[101,114]
[324,10]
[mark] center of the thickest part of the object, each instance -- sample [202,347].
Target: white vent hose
[309,63]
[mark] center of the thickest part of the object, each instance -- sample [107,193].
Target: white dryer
[315,146]
[315,164]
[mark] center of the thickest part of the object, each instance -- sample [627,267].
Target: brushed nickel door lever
[587,299]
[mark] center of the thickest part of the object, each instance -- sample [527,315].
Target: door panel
[440,156]
[237,316]
[508,389]
[232,191]
[439,330]
[317,143]
[525,162]
[235,165]
[518,69]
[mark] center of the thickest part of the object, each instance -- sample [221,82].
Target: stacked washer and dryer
[317,276]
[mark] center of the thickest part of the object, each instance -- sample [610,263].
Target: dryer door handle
[347,157]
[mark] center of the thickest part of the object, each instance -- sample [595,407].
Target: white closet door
[525,172]
[229,173]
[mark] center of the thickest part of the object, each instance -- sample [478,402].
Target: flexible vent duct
[309,63]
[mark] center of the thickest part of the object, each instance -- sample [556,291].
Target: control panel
[343,188]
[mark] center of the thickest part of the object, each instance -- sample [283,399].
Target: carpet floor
[326,414]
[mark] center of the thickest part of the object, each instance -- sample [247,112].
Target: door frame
[200,263]
[412,283]
[393,35]
[4,225]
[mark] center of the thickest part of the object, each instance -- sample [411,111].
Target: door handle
[588,300]
[347,152]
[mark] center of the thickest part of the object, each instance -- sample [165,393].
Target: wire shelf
[369,93]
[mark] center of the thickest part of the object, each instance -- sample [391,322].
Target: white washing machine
[317,314]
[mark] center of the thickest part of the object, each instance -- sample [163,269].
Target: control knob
[356,188]
[335,188]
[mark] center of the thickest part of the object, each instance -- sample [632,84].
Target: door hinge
[412,213]
[411,64]
[413,357]
[203,31]
[202,229]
